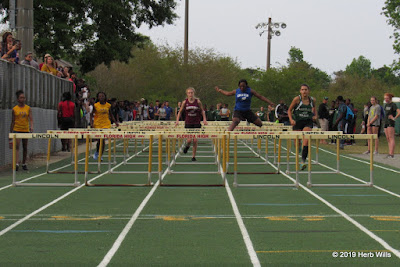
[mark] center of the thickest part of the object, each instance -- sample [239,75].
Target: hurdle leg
[316,150]
[279,155]
[235,162]
[371,163]
[224,155]
[274,151]
[115,150]
[150,160]
[228,151]
[288,148]
[14,158]
[72,151]
[337,156]
[109,155]
[309,161]
[160,149]
[88,141]
[266,151]
[76,160]
[297,161]
[100,154]
[48,155]
[219,150]
[174,148]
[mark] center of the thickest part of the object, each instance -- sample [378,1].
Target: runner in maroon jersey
[193,111]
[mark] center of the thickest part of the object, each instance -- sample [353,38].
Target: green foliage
[392,12]
[159,73]
[96,31]
[360,67]
[295,55]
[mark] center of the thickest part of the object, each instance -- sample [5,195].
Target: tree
[295,55]
[391,10]
[360,67]
[96,31]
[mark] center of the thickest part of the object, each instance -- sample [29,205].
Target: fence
[43,92]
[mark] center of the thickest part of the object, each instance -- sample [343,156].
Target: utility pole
[24,25]
[269,44]
[186,42]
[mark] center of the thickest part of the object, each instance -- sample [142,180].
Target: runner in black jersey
[302,113]
[390,117]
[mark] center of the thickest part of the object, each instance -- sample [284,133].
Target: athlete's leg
[375,130]
[304,153]
[391,141]
[258,122]
[194,147]
[235,122]
[24,150]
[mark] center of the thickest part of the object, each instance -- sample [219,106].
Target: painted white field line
[27,217]
[36,176]
[362,161]
[110,254]
[347,217]
[355,178]
[246,237]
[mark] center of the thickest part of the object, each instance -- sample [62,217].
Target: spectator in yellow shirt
[21,122]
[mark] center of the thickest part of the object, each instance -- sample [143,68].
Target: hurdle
[338,137]
[267,137]
[220,139]
[16,136]
[122,135]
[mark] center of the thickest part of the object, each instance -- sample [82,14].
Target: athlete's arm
[112,117]
[203,112]
[263,98]
[314,110]
[30,121]
[227,93]
[295,101]
[180,112]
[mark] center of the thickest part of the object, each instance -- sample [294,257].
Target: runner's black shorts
[192,126]
[301,124]
[247,115]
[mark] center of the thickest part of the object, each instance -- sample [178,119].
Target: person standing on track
[21,122]
[301,115]
[66,109]
[100,117]
[242,111]
[390,120]
[194,111]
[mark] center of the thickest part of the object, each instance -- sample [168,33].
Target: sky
[329,32]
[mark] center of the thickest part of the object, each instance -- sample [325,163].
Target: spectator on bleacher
[261,114]
[217,112]
[392,113]
[341,117]
[49,66]
[162,113]
[225,112]
[365,118]
[156,108]
[9,47]
[21,122]
[323,117]
[151,111]
[271,113]
[169,111]
[89,110]
[281,112]
[71,77]
[145,109]
[66,109]
[28,60]
[177,109]
[373,123]
[210,114]
[44,59]
[114,108]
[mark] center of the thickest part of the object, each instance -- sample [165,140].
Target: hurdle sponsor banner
[193,135]
[44,136]
[344,136]
[117,135]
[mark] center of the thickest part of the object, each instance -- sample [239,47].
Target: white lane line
[353,177]
[362,161]
[110,254]
[38,175]
[27,217]
[245,234]
[347,217]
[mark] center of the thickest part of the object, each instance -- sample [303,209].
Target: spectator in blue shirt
[168,110]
